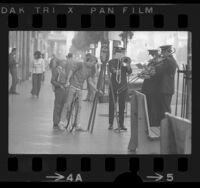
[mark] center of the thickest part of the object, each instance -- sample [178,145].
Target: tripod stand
[101,86]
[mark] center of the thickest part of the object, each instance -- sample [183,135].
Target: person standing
[149,88]
[13,71]
[53,62]
[58,80]
[166,84]
[69,62]
[37,70]
[119,71]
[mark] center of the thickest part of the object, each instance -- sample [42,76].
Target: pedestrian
[13,65]
[37,71]
[119,72]
[52,65]
[77,75]
[150,89]
[53,62]
[69,62]
[58,80]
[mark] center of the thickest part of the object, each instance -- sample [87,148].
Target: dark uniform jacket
[150,85]
[124,71]
[166,74]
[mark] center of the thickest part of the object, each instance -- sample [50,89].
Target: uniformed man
[149,88]
[166,73]
[119,72]
[13,71]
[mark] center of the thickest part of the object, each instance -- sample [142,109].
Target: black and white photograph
[100,92]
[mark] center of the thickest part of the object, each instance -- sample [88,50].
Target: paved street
[30,128]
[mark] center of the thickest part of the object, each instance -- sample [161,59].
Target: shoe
[123,128]
[61,125]
[15,93]
[110,127]
[78,128]
[55,126]
[117,129]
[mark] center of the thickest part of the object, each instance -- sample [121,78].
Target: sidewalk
[30,128]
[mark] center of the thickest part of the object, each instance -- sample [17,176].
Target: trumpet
[124,61]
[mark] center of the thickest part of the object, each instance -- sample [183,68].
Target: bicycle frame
[74,105]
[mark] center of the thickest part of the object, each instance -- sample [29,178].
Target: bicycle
[73,113]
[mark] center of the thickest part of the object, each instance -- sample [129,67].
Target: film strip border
[87,21]
[42,165]
[61,164]
[88,167]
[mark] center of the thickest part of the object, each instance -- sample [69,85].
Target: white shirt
[38,66]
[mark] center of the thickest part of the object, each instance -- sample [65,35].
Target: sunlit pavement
[31,128]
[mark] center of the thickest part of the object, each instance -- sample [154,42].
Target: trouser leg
[79,94]
[39,80]
[165,105]
[88,91]
[58,104]
[154,111]
[149,108]
[91,92]
[43,76]
[111,106]
[34,84]
[14,80]
[122,101]
[67,104]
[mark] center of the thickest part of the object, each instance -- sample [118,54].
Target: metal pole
[95,109]
[177,91]
[189,81]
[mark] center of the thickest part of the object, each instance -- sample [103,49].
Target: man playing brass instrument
[119,68]
[166,72]
[149,88]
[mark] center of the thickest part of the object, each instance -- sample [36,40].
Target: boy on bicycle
[76,77]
